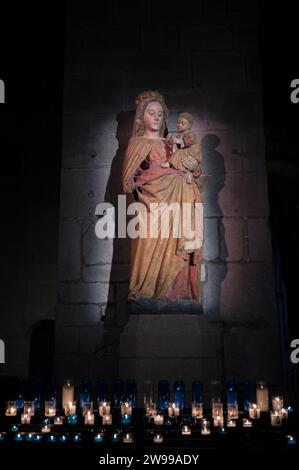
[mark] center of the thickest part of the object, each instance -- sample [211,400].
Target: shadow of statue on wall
[215,247]
[116,313]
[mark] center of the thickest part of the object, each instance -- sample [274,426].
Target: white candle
[46,428]
[262,398]
[173,410]
[276,418]
[247,423]
[89,418]
[159,419]
[68,391]
[186,430]
[104,408]
[150,409]
[205,427]
[231,423]
[128,438]
[158,438]
[58,420]
[197,411]
[29,408]
[107,419]
[254,411]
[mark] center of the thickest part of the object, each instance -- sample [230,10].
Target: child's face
[183,125]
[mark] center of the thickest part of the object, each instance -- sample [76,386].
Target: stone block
[78,315]
[247,295]
[212,289]
[96,250]
[232,242]
[245,195]
[85,94]
[71,365]
[206,38]
[260,247]
[82,190]
[252,354]
[214,11]
[160,38]
[211,239]
[90,338]
[69,250]
[165,13]
[67,340]
[85,293]
[221,70]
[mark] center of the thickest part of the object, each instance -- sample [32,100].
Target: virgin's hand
[190,163]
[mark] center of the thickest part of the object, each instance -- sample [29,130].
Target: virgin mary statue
[162,267]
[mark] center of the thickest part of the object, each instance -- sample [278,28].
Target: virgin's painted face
[153,116]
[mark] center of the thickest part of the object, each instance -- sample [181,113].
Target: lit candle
[107,419]
[186,430]
[284,413]
[58,420]
[18,437]
[126,419]
[205,427]
[11,408]
[158,438]
[50,408]
[290,439]
[128,438]
[104,408]
[89,418]
[115,437]
[197,410]
[232,411]
[29,437]
[262,398]
[25,419]
[98,437]
[159,420]
[126,408]
[46,428]
[173,410]
[87,407]
[247,423]
[150,409]
[29,408]
[217,409]
[276,418]
[277,403]
[218,421]
[51,438]
[231,423]
[70,408]
[254,411]
[68,391]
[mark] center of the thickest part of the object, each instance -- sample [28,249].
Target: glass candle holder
[99,437]
[147,392]
[89,418]
[58,420]
[50,408]
[231,423]
[179,394]
[150,409]
[46,428]
[197,391]
[104,408]
[107,420]
[25,419]
[233,411]
[125,408]
[197,410]
[173,410]
[217,409]
[163,394]
[158,419]
[218,421]
[254,411]
[158,439]
[277,402]
[247,423]
[126,419]
[87,407]
[128,438]
[70,408]
[275,418]
[186,430]
[11,408]
[29,408]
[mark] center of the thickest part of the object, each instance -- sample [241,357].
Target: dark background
[32,66]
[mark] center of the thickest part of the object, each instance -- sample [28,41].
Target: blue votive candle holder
[52,438]
[18,437]
[98,437]
[72,419]
[126,419]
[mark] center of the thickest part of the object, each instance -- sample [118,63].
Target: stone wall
[204,59]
